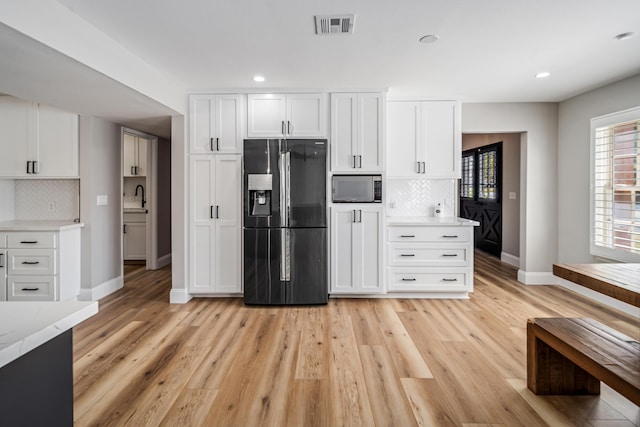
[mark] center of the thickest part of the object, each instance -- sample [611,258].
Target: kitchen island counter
[36,360]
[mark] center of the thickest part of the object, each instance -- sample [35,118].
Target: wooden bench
[572,356]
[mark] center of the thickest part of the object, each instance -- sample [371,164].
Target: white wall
[100,174]
[179,191]
[538,186]
[7,200]
[573,162]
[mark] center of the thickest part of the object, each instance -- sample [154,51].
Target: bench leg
[549,372]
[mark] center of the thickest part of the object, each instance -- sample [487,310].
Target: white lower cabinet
[356,249]
[134,240]
[215,224]
[430,259]
[41,265]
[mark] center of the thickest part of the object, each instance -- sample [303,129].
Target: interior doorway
[480,195]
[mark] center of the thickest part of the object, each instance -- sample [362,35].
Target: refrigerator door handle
[285,255]
[283,190]
[287,166]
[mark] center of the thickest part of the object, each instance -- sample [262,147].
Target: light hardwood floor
[354,362]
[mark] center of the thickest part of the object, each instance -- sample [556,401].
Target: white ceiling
[489,50]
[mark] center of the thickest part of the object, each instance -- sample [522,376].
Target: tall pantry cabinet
[215,203]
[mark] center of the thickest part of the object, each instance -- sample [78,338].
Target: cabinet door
[228,224]
[227,124]
[266,115]
[370,133]
[3,274]
[343,132]
[135,241]
[202,213]
[355,250]
[369,234]
[442,139]
[306,115]
[141,156]
[342,251]
[17,136]
[57,143]
[201,123]
[129,154]
[215,124]
[404,133]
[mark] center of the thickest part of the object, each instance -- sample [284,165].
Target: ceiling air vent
[335,24]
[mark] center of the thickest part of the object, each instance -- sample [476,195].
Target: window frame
[631,114]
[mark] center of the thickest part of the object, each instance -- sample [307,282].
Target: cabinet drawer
[28,240]
[3,240]
[429,234]
[134,217]
[428,255]
[31,288]
[31,261]
[440,280]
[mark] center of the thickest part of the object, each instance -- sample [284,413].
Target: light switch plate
[103,200]
[512,195]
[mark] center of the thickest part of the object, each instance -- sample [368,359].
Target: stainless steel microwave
[357,189]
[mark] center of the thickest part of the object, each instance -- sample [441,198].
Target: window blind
[616,186]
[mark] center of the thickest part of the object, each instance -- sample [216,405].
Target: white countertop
[27,325]
[39,225]
[429,220]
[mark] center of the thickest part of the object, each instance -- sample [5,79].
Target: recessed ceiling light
[429,38]
[543,75]
[624,36]
[258,79]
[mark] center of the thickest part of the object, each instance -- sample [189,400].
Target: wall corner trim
[179,296]
[536,278]
[102,290]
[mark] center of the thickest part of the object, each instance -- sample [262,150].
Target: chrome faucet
[142,188]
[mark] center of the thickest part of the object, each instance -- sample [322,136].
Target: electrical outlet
[51,206]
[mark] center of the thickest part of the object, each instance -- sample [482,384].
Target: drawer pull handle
[449,280]
[407,235]
[407,254]
[450,236]
[449,254]
[30,289]
[408,280]
[31,262]
[31,242]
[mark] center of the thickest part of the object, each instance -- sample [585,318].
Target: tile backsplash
[43,199]
[129,199]
[419,197]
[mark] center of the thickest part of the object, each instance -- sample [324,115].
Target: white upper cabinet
[423,139]
[295,115]
[135,155]
[357,132]
[215,124]
[37,140]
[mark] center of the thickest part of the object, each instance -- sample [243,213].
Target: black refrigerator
[285,221]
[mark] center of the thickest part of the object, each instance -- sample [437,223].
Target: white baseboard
[179,296]
[102,290]
[601,298]
[510,259]
[536,278]
[163,261]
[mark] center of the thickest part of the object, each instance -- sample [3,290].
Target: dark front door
[481,193]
